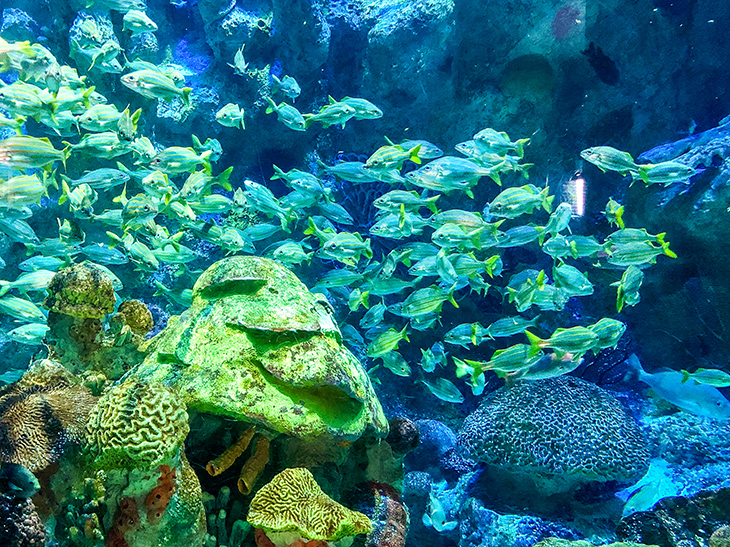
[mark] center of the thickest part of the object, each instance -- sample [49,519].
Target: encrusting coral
[20,525]
[294,502]
[40,414]
[136,425]
[82,291]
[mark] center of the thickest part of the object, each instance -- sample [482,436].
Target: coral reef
[679,521]
[293,501]
[135,315]
[560,430]
[81,291]
[40,414]
[20,525]
[258,347]
[136,424]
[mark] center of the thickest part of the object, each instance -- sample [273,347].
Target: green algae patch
[257,346]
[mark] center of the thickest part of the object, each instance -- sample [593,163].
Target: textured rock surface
[81,291]
[257,346]
[561,429]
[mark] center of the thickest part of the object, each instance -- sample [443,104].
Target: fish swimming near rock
[670,385]
[17,481]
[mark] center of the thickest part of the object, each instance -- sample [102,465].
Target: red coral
[125,519]
[159,497]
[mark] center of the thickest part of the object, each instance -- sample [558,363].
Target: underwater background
[383,273]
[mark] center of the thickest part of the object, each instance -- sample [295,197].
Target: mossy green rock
[257,346]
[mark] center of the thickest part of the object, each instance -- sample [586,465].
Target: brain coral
[559,427]
[136,425]
[293,501]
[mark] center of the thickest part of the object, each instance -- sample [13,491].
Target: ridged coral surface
[136,424]
[293,501]
[560,426]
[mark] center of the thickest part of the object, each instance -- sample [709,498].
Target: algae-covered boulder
[82,291]
[257,346]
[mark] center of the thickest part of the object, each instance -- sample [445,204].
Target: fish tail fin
[272,105]
[414,154]
[494,175]
[311,229]
[547,201]
[278,173]
[620,300]
[368,249]
[431,204]
[451,296]
[536,343]
[5,287]
[404,333]
[634,371]
[65,192]
[543,233]
[520,147]
[643,173]
[205,156]
[161,289]
[65,153]
[222,179]
[667,251]
[186,95]
[308,121]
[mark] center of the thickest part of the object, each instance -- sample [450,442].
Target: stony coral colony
[125,433]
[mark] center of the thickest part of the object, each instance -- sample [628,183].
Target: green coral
[136,425]
[257,346]
[83,291]
[293,501]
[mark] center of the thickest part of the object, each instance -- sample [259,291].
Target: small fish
[628,288]
[18,230]
[574,340]
[16,480]
[450,173]
[444,390]
[80,200]
[346,247]
[100,179]
[334,113]
[288,115]
[288,86]
[433,357]
[21,309]
[34,281]
[178,159]
[155,85]
[354,171]
[614,213]
[30,334]
[510,326]
[571,281]
[466,334]
[516,201]
[609,332]
[385,342]
[137,22]
[424,301]
[607,158]
[373,316]
[700,399]
[23,152]
[22,190]
[412,201]
[364,109]
[231,115]
[335,212]
[451,235]
[426,150]
[507,360]
[103,254]
[559,219]
[396,364]
[41,262]
[199,183]
[127,125]
[292,253]
[636,254]
[499,142]
[105,145]
[519,236]
[182,298]
[100,117]
[239,66]
[666,172]
[391,156]
[709,376]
